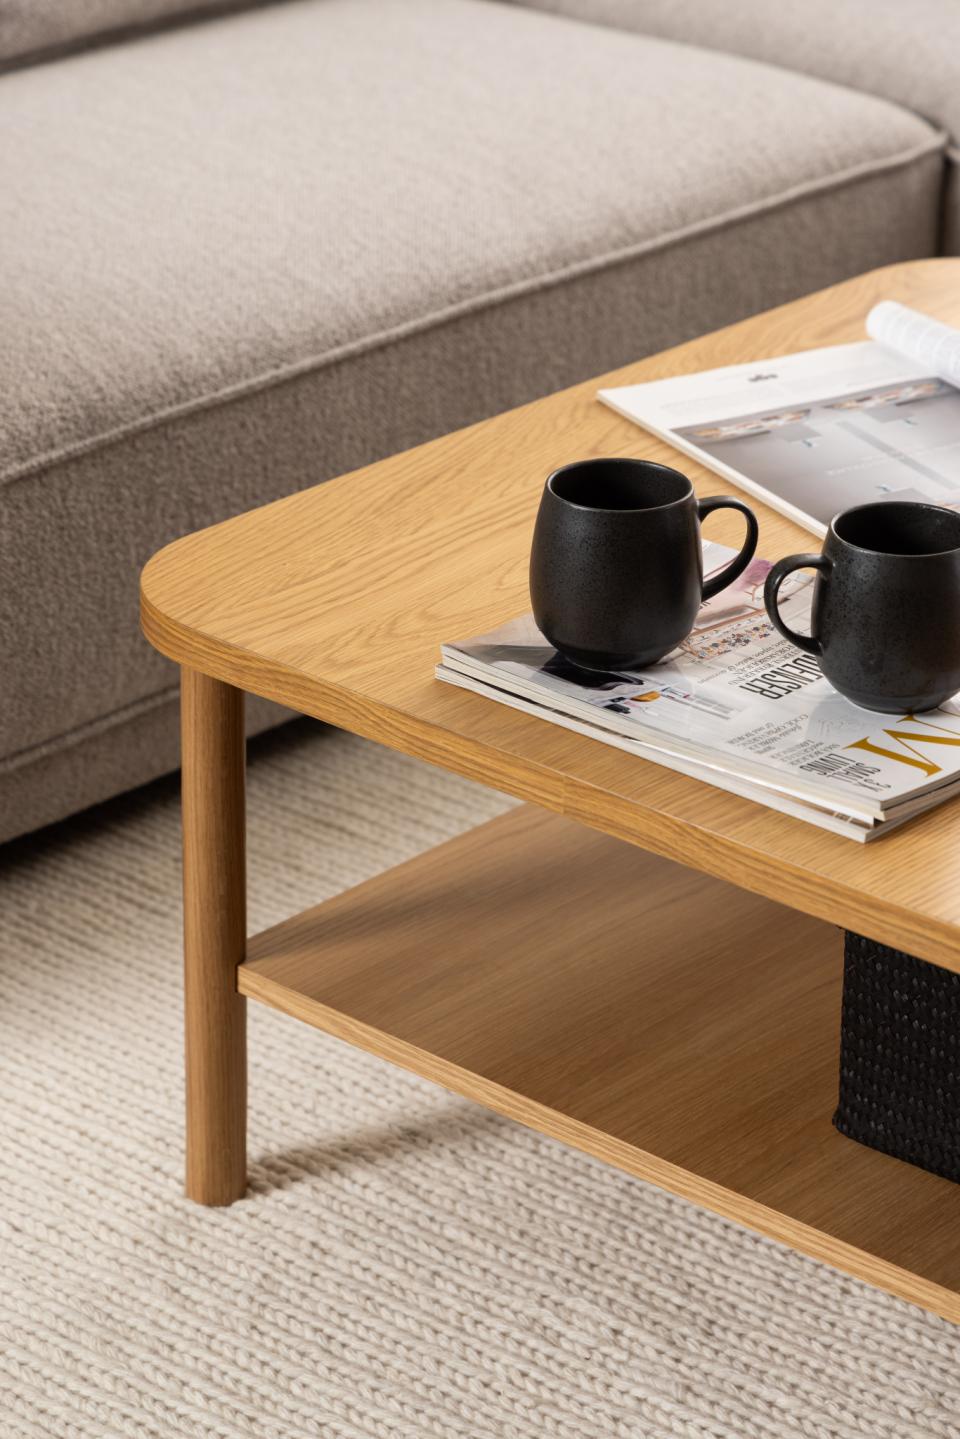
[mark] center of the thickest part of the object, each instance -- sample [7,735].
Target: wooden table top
[335,601]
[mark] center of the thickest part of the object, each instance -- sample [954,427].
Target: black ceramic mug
[616,569]
[885,621]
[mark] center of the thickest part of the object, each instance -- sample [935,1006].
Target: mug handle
[736,567]
[771,593]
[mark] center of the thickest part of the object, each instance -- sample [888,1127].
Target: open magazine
[813,433]
[737,706]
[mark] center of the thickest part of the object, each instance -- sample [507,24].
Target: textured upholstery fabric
[240,271]
[29,29]
[120,753]
[904,50]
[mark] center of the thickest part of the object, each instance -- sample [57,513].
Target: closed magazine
[738,707]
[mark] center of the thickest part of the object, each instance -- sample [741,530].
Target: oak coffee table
[635,963]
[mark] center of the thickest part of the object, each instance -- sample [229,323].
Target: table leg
[214,912]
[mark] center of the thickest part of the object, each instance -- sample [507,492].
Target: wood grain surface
[664,1021]
[335,602]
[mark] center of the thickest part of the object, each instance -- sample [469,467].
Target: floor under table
[667,1022]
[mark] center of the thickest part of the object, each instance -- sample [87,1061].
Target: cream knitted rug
[406,1264]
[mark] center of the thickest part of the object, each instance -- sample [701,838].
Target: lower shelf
[673,1025]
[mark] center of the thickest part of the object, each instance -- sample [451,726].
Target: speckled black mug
[616,568]
[885,621]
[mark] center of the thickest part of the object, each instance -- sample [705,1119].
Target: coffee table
[637,964]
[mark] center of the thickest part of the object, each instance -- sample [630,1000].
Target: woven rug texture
[406,1265]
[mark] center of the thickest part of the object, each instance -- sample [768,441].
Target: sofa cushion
[252,254]
[32,29]
[906,52]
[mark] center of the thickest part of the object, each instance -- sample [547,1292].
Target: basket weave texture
[900,1056]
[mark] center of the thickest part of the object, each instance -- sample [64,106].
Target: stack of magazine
[736,705]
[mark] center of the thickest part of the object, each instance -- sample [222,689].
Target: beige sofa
[246,251]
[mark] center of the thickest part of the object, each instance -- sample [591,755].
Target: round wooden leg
[214,908]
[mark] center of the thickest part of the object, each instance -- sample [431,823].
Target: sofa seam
[864,170]
[90,729]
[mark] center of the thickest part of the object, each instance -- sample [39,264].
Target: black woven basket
[900,1056]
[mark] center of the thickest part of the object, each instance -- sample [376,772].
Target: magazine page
[814,433]
[737,695]
[915,336]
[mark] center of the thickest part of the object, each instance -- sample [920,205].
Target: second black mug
[885,619]
[616,568]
